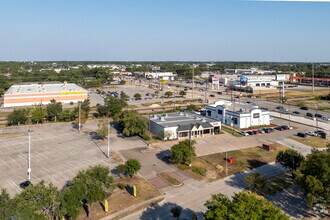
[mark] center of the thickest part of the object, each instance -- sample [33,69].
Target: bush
[121,168]
[176,211]
[132,166]
[199,170]
[145,137]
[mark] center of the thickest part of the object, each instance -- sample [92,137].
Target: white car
[243,133]
[311,133]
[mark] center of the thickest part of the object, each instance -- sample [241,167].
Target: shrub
[121,168]
[176,211]
[199,170]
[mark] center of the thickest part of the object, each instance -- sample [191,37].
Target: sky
[164,30]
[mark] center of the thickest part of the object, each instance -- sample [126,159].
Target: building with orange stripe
[42,93]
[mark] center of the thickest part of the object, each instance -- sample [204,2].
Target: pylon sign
[163,81]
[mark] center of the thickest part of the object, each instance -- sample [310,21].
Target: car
[308,114]
[311,133]
[243,133]
[325,118]
[279,128]
[282,109]
[319,132]
[301,134]
[219,93]
[201,90]
[212,95]
[269,130]
[296,113]
[262,130]
[318,116]
[286,127]
[250,132]
[147,94]
[71,103]
[256,132]
[25,184]
[304,108]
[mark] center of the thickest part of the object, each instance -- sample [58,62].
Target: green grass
[316,142]
[230,131]
[170,179]
[244,159]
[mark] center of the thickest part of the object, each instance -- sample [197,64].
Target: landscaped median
[230,130]
[213,167]
[170,179]
[122,203]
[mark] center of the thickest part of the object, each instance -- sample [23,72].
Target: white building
[238,115]
[182,125]
[160,75]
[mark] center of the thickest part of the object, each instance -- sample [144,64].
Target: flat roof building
[238,115]
[182,125]
[42,93]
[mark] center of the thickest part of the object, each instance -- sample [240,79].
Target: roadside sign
[163,81]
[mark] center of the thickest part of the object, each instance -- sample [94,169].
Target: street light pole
[79,116]
[29,156]
[193,81]
[226,164]
[108,153]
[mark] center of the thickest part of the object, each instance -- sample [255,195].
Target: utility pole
[29,156]
[313,76]
[317,123]
[149,129]
[226,164]
[108,153]
[193,81]
[289,116]
[79,116]
[205,91]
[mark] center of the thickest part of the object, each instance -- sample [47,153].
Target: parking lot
[58,152]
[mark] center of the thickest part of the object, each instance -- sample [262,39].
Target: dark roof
[188,127]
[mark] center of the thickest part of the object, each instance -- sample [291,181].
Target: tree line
[51,112]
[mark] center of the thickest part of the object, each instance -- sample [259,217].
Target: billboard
[281,77]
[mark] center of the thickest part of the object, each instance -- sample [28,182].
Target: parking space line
[5,163]
[14,185]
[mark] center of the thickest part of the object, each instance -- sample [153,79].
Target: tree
[7,206]
[183,152]
[314,177]
[137,95]
[168,94]
[112,107]
[290,159]
[102,130]
[84,108]
[256,182]
[38,113]
[68,115]
[54,109]
[192,107]
[132,166]
[131,123]
[38,201]
[124,96]
[18,116]
[243,206]
[182,93]
[89,186]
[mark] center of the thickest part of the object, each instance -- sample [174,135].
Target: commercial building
[160,75]
[42,93]
[182,125]
[237,115]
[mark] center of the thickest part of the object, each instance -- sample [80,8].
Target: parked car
[256,132]
[25,184]
[286,127]
[243,133]
[300,134]
[296,113]
[311,133]
[319,132]
[318,115]
[262,130]
[219,93]
[282,109]
[250,132]
[308,114]
[269,130]
[304,108]
[212,95]
[279,128]
[325,118]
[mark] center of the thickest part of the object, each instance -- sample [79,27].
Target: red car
[256,132]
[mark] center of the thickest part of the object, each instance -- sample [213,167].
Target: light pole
[108,139]
[317,123]
[226,164]
[29,156]
[79,116]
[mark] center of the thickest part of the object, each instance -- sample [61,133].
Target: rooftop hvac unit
[203,120]
[181,113]
[155,116]
[162,118]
